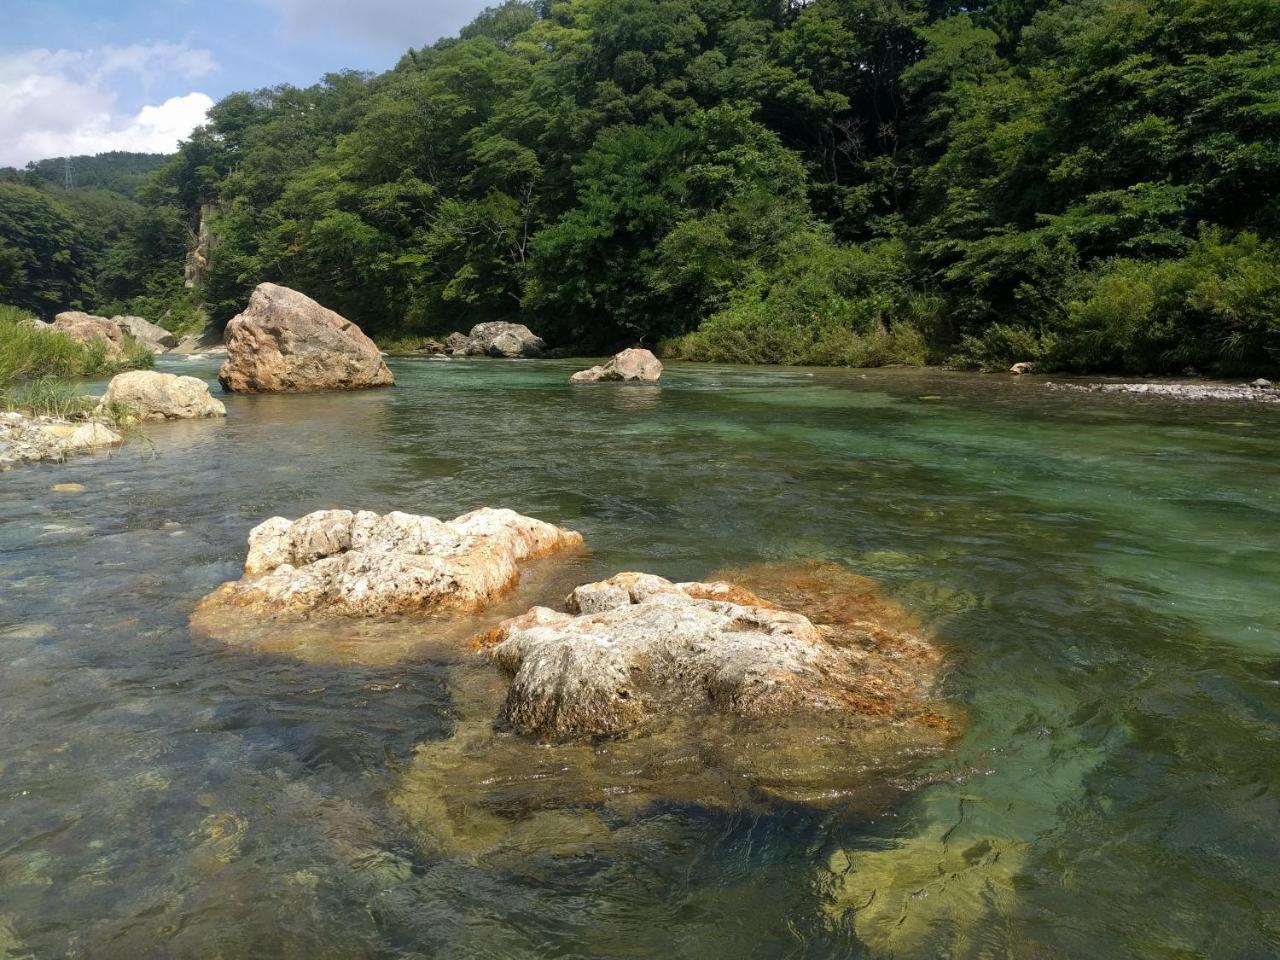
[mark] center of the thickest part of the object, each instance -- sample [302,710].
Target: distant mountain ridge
[117,171]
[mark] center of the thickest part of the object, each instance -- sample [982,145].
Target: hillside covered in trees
[1093,184]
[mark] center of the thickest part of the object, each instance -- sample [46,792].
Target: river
[1103,572]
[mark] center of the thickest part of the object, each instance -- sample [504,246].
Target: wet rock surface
[360,564]
[148,395]
[25,439]
[634,365]
[637,645]
[285,342]
[1258,391]
[846,713]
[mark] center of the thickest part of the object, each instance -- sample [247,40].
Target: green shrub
[29,354]
[1217,310]
[1000,346]
[821,304]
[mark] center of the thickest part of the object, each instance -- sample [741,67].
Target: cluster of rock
[1259,390]
[365,564]
[622,652]
[636,365]
[28,439]
[87,328]
[285,342]
[497,338]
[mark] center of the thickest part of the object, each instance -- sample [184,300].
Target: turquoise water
[1103,572]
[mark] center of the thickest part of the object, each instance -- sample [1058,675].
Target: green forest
[1087,184]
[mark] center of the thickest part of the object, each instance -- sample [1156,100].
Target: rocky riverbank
[1259,391]
[34,439]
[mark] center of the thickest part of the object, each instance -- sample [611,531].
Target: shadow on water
[1101,572]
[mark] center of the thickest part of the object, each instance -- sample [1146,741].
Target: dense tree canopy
[1089,183]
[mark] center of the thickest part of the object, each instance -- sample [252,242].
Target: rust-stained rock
[637,645]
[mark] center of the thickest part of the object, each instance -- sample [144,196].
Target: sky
[86,76]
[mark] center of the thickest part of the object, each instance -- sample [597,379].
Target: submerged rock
[148,395]
[647,691]
[25,439]
[366,564]
[636,646]
[502,339]
[633,364]
[87,329]
[285,342]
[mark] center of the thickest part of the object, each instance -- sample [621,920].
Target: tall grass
[39,368]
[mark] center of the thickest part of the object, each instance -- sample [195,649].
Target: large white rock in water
[285,342]
[366,564]
[502,339]
[150,335]
[634,364]
[637,647]
[148,395]
[87,329]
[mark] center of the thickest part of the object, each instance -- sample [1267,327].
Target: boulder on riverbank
[502,339]
[156,338]
[285,342]
[148,395]
[87,329]
[637,646]
[27,439]
[635,364]
[361,564]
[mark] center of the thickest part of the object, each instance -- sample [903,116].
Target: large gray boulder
[285,342]
[153,336]
[635,364]
[148,395]
[502,339]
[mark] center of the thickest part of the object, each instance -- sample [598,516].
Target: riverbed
[1103,573]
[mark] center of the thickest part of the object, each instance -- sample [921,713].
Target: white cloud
[65,102]
[395,24]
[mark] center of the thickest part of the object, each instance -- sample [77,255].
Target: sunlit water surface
[1103,572]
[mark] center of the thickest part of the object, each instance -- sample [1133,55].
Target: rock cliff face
[336,562]
[148,395]
[200,255]
[285,342]
[634,364]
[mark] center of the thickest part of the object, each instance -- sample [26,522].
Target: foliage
[1085,183]
[30,354]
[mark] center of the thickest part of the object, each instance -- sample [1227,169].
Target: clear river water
[1103,573]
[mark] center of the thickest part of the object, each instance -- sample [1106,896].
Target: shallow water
[1103,572]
